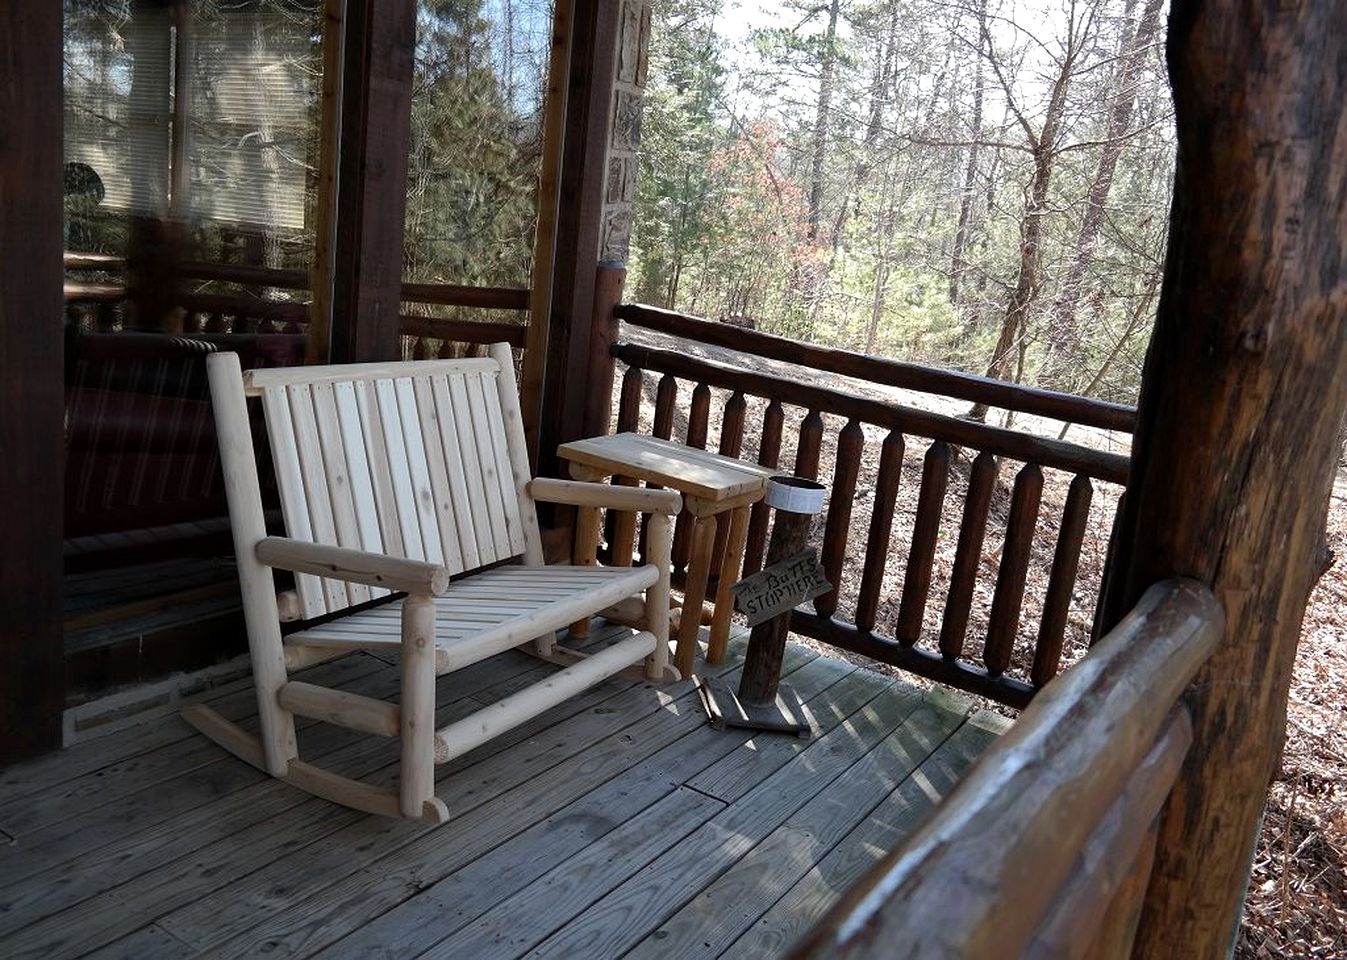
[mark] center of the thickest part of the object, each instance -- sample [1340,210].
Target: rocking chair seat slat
[489,612]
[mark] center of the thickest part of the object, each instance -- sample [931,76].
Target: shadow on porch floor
[618,824]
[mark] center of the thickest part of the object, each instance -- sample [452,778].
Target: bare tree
[1063,335]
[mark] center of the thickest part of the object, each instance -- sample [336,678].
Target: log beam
[1243,395]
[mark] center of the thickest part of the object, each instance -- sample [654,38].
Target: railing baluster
[1062,580]
[921,556]
[620,526]
[769,455]
[1005,616]
[731,442]
[699,413]
[629,403]
[846,470]
[968,554]
[1096,626]
[666,396]
[881,528]
[811,443]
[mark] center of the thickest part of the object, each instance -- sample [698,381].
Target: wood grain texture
[837,527]
[881,528]
[909,420]
[886,826]
[1246,375]
[372,173]
[968,554]
[894,373]
[921,553]
[1004,622]
[1061,582]
[1046,786]
[769,455]
[772,867]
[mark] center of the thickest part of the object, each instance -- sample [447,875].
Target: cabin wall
[31,682]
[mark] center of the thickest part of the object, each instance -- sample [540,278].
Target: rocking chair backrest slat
[409,459]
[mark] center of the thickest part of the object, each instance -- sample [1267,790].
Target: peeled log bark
[1244,392]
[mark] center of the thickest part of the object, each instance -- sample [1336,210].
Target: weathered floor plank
[623,918]
[886,826]
[436,913]
[618,823]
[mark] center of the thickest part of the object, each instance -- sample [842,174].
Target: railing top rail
[440,294]
[463,331]
[455,295]
[1102,731]
[892,373]
[1046,452]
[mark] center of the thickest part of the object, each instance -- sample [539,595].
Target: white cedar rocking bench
[394,479]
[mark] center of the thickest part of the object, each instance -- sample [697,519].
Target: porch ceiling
[617,822]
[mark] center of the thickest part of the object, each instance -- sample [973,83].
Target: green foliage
[733,128]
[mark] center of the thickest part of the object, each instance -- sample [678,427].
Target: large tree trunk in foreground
[1244,393]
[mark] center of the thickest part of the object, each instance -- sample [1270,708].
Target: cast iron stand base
[783,715]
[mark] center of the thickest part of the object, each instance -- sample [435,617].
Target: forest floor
[1297,904]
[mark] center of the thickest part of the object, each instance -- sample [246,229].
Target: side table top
[696,473]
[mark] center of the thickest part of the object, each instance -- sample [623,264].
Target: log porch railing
[1045,848]
[987,668]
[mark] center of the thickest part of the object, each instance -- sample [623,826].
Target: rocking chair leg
[418,705]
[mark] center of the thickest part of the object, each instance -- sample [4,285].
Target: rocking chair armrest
[355,566]
[578,493]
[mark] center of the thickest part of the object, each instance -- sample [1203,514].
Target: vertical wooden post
[602,368]
[380,40]
[32,684]
[588,122]
[1244,392]
[545,239]
[761,678]
[318,346]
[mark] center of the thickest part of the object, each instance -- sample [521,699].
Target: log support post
[761,703]
[32,682]
[1242,400]
[602,368]
[375,124]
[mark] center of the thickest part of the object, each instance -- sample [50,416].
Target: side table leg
[729,573]
[624,530]
[586,551]
[694,594]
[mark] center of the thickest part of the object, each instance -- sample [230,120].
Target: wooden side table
[710,485]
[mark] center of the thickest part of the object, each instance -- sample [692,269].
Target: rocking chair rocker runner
[398,478]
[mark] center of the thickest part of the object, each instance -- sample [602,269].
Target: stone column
[619,196]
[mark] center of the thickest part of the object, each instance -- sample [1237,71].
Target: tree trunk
[1244,393]
[1015,322]
[1062,333]
[960,262]
[819,150]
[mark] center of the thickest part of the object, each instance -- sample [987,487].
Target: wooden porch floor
[619,824]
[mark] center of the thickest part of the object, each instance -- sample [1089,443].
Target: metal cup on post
[791,576]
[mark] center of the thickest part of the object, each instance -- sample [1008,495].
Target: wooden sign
[781,587]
